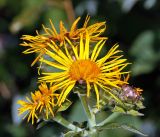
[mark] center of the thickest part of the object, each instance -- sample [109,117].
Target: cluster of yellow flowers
[42,102]
[74,55]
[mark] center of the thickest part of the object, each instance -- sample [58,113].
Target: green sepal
[64,106]
[118,109]
[140,105]
[129,112]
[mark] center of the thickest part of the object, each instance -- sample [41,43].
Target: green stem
[109,119]
[93,133]
[59,119]
[88,112]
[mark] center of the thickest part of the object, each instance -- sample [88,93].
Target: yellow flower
[41,103]
[94,30]
[84,68]
[38,43]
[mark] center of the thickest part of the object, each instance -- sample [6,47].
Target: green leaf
[134,113]
[132,129]
[118,109]
[71,134]
[41,124]
[77,113]
[109,126]
[65,106]
[119,125]
[15,130]
[143,52]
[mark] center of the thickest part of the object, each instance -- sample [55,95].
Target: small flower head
[40,104]
[130,93]
[84,67]
[38,43]
[35,44]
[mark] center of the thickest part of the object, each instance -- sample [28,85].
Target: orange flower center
[84,70]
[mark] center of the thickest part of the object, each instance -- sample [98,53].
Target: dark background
[134,24]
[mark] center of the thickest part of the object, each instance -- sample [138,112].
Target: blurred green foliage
[134,24]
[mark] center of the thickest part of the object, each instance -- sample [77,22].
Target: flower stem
[109,119]
[88,112]
[61,120]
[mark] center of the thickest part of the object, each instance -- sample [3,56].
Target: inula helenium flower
[83,67]
[41,103]
[71,62]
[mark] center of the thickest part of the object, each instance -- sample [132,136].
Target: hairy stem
[61,120]
[88,112]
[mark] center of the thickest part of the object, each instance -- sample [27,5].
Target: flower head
[83,67]
[38,43]
[41,103]
[95,30]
